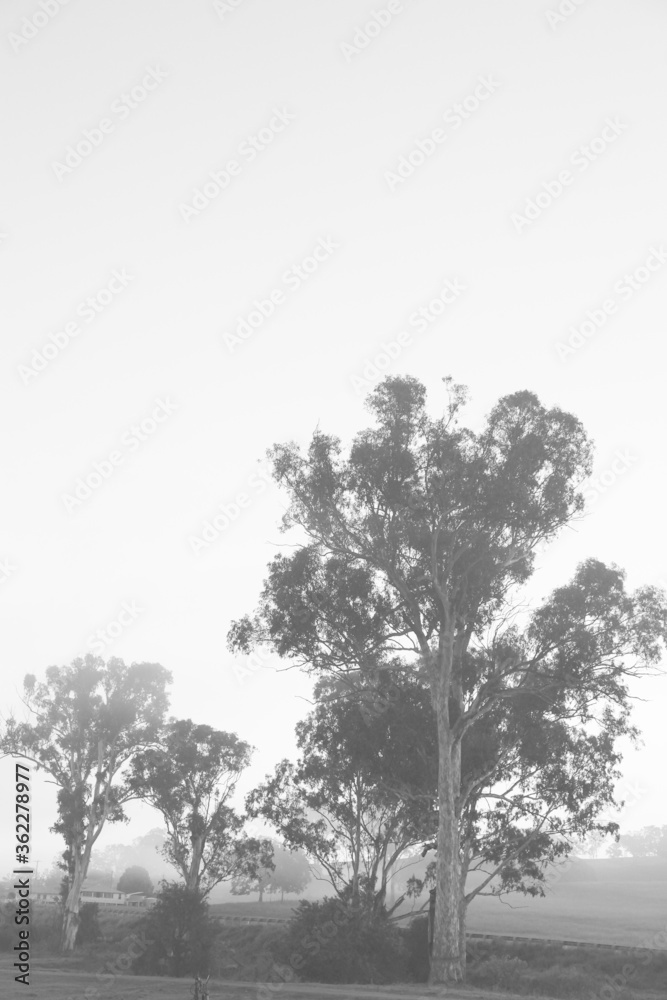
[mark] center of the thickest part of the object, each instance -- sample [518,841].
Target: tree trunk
[357,850]
[448,957]
[192,873]
[71,911]
[261,895]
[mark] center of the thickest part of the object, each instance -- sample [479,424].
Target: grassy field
[621,901]
[582,912]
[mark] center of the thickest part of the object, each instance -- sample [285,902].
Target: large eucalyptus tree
[414,548]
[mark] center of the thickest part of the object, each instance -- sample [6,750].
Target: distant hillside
[616,870]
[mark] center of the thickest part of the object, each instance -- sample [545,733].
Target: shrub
[246,952]
[546,970]
[498,972]
[415,938]
[330,941]
[568,982]
[117,926]
[89,923]
[179,932]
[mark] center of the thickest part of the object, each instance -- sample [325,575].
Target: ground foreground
[56,984]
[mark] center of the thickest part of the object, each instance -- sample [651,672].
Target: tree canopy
[290,874]
[85,723]
[649,842]
[135,879]
[361,793]
[190,778]
[412,551]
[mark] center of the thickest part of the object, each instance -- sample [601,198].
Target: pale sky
[367,166]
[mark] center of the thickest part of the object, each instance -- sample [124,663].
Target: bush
[569,982]
[330,941]
[179,934]
[89,923]
[117,926]
[498,971]
[246,952]
[561,981]
[547,970]
[415,939]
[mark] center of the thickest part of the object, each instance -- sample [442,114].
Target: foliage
[246,952]
[190,779]
[87,721]
[99,876]
[415,939]
[135,879]
[499,972]
[592,845]
[179,931]
[650,841]
[532,969]
[290,873]
[362,792]
[243,885]
[49,879]
[330,941]
[413,548]
[89,923]
[145,850]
